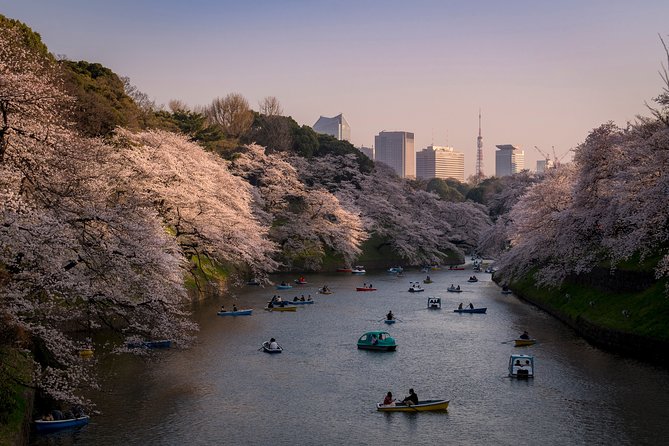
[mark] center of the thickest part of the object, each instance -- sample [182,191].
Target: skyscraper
[509,160]
[396,149]
[337,127]
[440,162]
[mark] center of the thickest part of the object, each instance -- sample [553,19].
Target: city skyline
[543,75]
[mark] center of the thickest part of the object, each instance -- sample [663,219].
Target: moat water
[322,390]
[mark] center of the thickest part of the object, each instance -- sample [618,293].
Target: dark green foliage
[102,103]
[484,191]
[444,190]
[329,145]
[29,39]
[274,132]
[306,141]
[195,125]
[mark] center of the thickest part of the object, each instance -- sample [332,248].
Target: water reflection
[322,389]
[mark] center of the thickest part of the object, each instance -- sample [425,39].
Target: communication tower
[479,154]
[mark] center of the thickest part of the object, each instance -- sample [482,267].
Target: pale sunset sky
[543,73]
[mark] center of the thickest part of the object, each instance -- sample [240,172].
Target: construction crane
[556,159]
[549,163]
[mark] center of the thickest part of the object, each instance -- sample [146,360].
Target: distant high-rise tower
[440,162]
[479,154]
[509,160]
[396,149]
[337,127]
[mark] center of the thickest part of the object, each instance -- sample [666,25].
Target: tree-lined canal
[321,390]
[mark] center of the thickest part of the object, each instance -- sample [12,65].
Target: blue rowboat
[389,321]
[236,313]
[56,425]
[283,287]
[471,310]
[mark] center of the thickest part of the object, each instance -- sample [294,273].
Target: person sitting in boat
[460,306]
[283,283]
[525,335]
[375,340]
[295,299]
[452,287]
[278,299]
[302,298]
[273,344]
[389,400]
[309,298]
[370,286]
[223,310]
[428,278]
[471,306]
[411,399]
[270,305]
[234,307]
[390,316]
[457,287]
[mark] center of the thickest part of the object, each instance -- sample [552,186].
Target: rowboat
[325,291]
[246,312]
[301,302]
[266,348]
[358,270]
[507,291]
[284,308]
[422,406]
[472,280]
[56,425]
[470,310]
[301,282]
[389,321]
[415,287]
[452,289]
[365,289]
[521,366]
[428,281]
[395,270]
[524,342]
[377,340]
[283,287]
[434,303]
[86,352]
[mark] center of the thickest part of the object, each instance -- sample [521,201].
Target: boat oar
[398,319]
[506,342]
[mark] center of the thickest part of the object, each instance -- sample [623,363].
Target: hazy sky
[543,73]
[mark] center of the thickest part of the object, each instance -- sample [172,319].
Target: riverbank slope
[626,312]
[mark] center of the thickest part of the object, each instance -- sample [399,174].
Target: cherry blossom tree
[306,221]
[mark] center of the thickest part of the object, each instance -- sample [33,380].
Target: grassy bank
[632,322]
[15,400]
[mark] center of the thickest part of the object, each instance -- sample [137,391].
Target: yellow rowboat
[422,406]
[86,352]
[286,308]
[524,342]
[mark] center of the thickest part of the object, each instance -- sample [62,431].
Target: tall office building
[440,162]
[337,127]
[396,149]
[509,160]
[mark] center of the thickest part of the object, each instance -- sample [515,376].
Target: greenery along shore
[115,208]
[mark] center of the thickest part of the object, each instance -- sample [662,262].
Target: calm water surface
[321,390]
